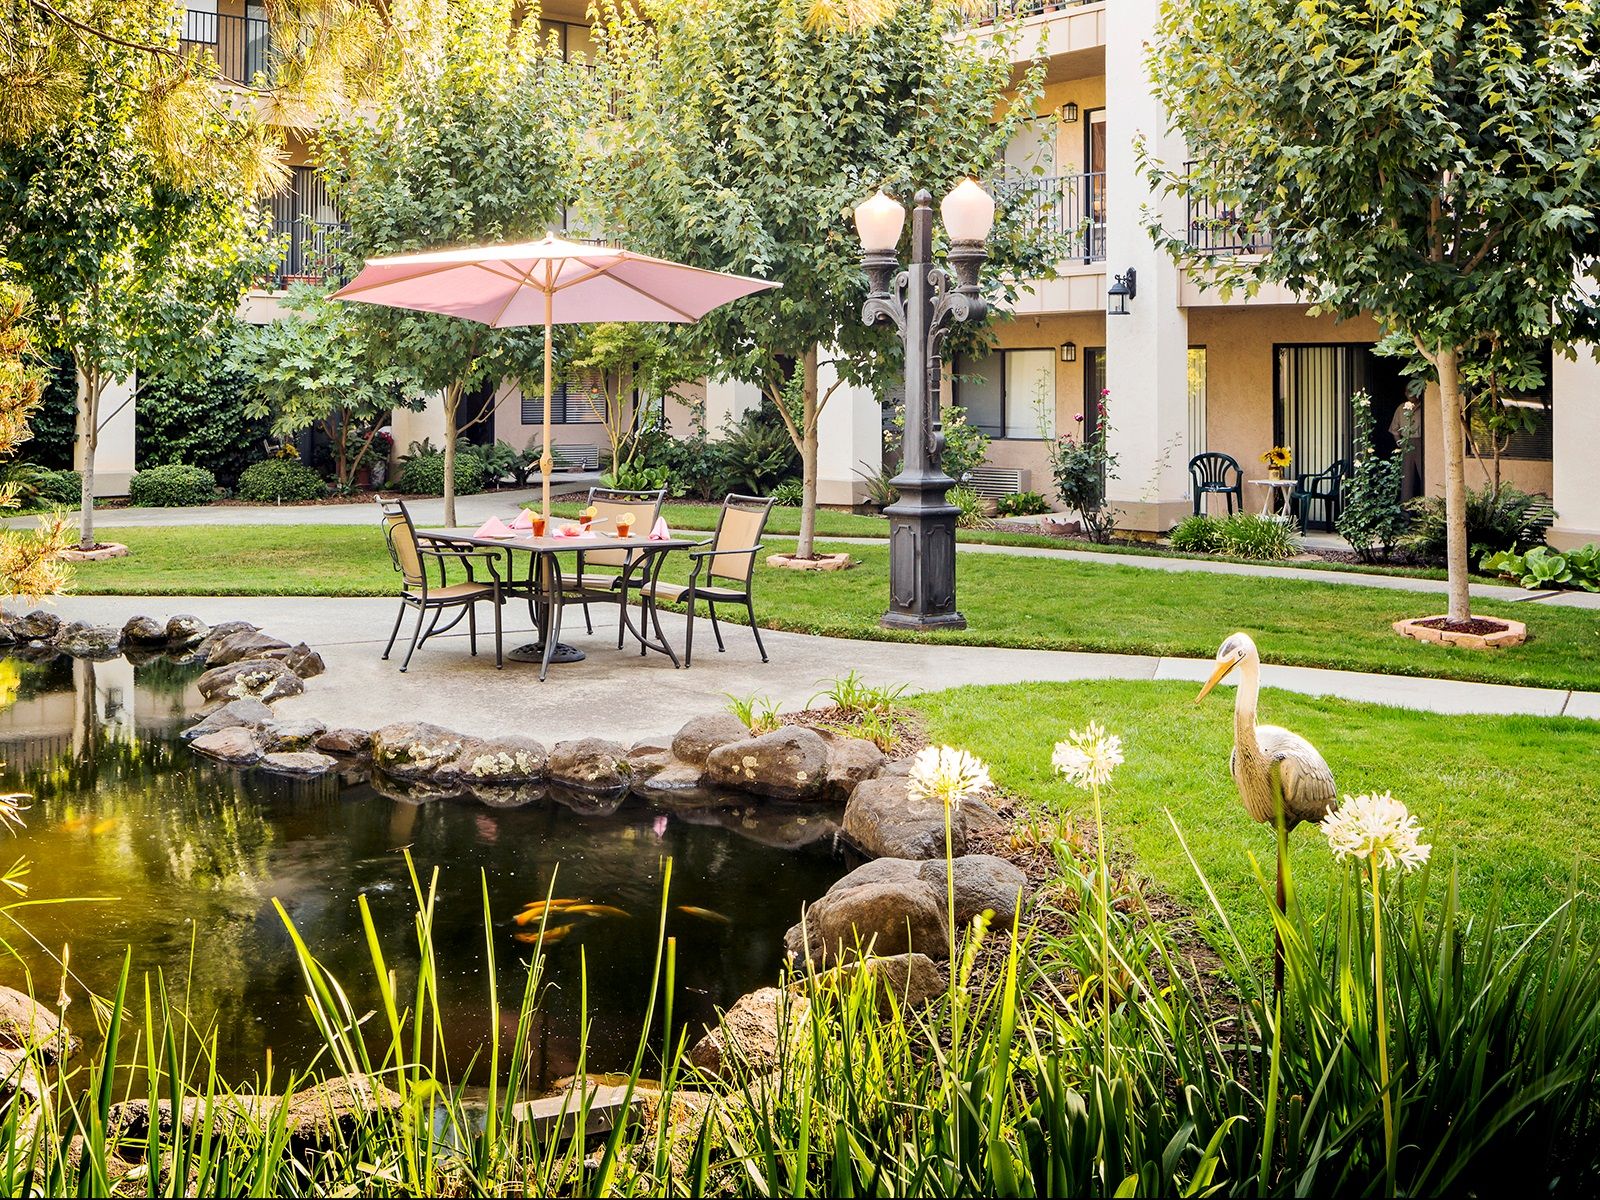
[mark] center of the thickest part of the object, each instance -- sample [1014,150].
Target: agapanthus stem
[1105,931]
[1383,1028]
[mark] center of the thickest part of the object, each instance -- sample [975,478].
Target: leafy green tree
[1432,163]
[639,366]
[470,138]
[29,559]
[128,263]
[750,130]
[321,365]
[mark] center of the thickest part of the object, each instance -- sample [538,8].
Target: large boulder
[414,750]
[880,918]
[884,821]
[983,882]
[240,645]
[235,746]
[185,630]
[851,761]
[590,764]
[217,633]
[249,713]
[263,679]
[752,1035]
[879,870]
[496,761]
[144,631]
[787,764]
[300,658]
[39,625]
[25,1025]
[694,743]
[306,764]
[83,640]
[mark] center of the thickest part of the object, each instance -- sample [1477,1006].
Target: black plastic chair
[1322,487]
[1214,474]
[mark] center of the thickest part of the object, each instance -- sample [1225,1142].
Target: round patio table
[543,588]
[1277,498]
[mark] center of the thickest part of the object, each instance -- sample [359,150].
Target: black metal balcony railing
[995,12]
[1215,228]
[1072,207]
[240,46]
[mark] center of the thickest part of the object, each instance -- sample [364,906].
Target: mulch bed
[1480,626]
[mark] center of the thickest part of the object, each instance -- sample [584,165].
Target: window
[1010,393]
[1526,435]
[580,401]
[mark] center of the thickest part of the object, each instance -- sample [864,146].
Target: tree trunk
[93,383]
[452,397]
[1453,431]
[806,546]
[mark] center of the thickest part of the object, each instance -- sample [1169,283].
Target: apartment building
[1177,369]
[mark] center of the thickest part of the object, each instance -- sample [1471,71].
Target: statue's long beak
[1217,676]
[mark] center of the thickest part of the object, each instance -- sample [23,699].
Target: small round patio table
[1276,502]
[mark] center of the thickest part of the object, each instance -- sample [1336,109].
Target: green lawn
[1507,800]
[1044,603]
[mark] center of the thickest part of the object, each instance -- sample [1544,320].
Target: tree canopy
[1435,163]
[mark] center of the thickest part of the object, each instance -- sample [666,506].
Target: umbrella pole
[546,461]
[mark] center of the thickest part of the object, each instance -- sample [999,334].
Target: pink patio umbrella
[548,282]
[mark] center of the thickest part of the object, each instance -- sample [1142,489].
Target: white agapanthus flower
[1088,756]
[948,775]
[1375,825]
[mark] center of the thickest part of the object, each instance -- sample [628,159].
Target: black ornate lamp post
[922,302]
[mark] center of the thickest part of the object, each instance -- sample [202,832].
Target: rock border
[823,562]
[1514,634]
[103,551]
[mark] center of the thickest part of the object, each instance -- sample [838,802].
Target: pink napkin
[494,527]
[523,519]
[570,531]
[659,531]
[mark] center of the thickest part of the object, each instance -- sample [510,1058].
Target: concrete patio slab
[615,691]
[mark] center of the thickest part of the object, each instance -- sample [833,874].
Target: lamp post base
[899,620]
[922,556]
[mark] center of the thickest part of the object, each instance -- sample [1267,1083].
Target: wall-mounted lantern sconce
[1069,351]
[1124,288]
[1068,113]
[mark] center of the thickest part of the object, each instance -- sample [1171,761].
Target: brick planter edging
[1514,634]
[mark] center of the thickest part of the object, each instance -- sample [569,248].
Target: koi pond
[148,846]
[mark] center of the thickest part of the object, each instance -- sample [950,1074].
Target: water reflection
[187,859]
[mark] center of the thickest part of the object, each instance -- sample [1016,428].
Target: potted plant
[1277,459]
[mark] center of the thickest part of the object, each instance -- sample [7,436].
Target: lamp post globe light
[922,302]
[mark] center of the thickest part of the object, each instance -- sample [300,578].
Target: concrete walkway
[615,692]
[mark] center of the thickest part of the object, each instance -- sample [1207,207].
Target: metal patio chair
[603,587]
[412,552]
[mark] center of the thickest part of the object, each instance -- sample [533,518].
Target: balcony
[308,255]
[238,46]
[1069,207]
[1222,229]
[997,12]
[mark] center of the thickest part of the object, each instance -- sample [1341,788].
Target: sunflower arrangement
[1278,459]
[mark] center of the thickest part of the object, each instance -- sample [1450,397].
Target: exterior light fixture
[1068,113]
[879,221]
[1069,351]
[1124,287]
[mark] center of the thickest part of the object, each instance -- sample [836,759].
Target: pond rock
[25,1024]
[236,712]
[413,750]
[884,821]
[883,918]
[670,779]
[787,764]
[301,659]
[591,764]
[351,743]
[305,763]
[185,630]
[902,981]
[240,645]
[83,640]
[696,740]
[500,760]
[236,746]
[982,882]
[38,625]
[647,756]
[752,1034]
[290,735]
[217,632]
[144,631]
[264,679]
[336,1108]
[851,761]
[880,870]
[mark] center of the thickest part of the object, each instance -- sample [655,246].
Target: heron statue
[1277,772]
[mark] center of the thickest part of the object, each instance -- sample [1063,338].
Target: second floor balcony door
[1094,168]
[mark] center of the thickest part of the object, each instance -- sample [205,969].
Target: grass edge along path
[1025,602]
